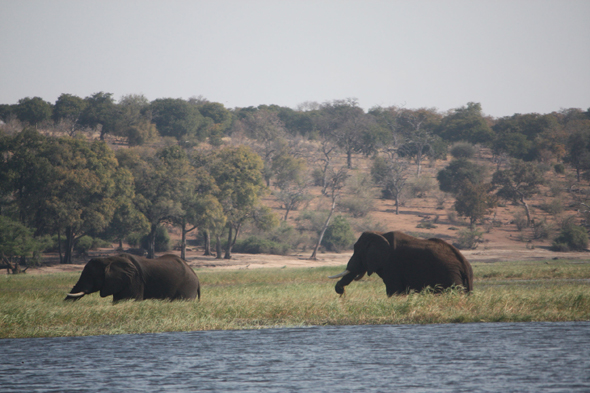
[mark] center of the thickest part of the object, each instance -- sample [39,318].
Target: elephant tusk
[344,273]
[79,294]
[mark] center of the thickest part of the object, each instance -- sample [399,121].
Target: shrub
[469,239]
[87,243]
[463,150]
[162,240]
[559,168]
[339,235]
[258,245]
[426,225]
[420,186]
[573,237]
[541,229]
[554,207]
[520,220]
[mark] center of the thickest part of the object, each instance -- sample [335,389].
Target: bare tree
[337,181]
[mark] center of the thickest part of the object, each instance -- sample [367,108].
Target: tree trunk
[317,246]
[218,246]
[61,258]
[528,213]
[229,245]
[207,241]
[151,251]
[183,241]
[397,203]
[69,245]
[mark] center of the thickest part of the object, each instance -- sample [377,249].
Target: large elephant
[406,263]
[128,276]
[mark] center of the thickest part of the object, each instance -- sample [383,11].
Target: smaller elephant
[128,276]
[406,263]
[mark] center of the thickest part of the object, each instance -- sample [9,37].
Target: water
[499,357]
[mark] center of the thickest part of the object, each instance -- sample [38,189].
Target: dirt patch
[254,261]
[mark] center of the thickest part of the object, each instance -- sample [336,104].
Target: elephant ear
[377,251]
[118,275]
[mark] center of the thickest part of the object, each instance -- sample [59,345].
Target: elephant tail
[199,293]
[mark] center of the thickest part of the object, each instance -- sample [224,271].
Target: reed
[33,306]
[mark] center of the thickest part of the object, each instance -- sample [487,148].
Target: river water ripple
[478,357]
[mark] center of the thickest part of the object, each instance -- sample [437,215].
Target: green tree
[101,110]
[291,182]
[519,183]
[177,118]
[33,110]
[466,124]
[474,201]
[417,128]
[64,185]
[69,108]
[238,174]
[453,176]
[578,147]
[162,179]
[17,243]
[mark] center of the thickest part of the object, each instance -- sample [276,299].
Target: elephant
[406,263]
[127,276]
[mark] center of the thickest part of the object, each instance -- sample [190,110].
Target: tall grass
[33,306]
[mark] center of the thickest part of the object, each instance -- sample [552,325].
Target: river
[477,357]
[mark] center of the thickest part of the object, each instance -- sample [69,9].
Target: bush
[420,186]
[339,235]
[463,150]
[469,239]
[162,240]
[559,168]
[258,245]
[572,237]
[87,243]
[520,220]
[555,207]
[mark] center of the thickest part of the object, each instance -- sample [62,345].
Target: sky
[511,56]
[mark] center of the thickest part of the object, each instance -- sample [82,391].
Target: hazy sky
[511,56]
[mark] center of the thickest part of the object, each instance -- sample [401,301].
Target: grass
[32,305]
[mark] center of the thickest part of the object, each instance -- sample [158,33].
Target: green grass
[33,306]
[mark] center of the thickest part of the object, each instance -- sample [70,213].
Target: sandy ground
[255,261]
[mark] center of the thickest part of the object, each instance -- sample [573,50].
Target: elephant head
[117,276]
[371,254]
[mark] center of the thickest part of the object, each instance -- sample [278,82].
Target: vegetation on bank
[33,306]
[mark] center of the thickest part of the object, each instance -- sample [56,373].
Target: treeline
[57,181]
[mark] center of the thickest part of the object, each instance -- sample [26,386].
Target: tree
[238,174]
[391,174]
[291,182]
[177,118]
[268,130]
[578,146]
[33,110]
[453,176]
[417,126]
[474,201]
[336,182]
[17,243]
[100,110]
[162,178]
[466,124]
[518,183]
[344,122]
[69,108]
[64,185]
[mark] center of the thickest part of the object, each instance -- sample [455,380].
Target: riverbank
[31,305]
